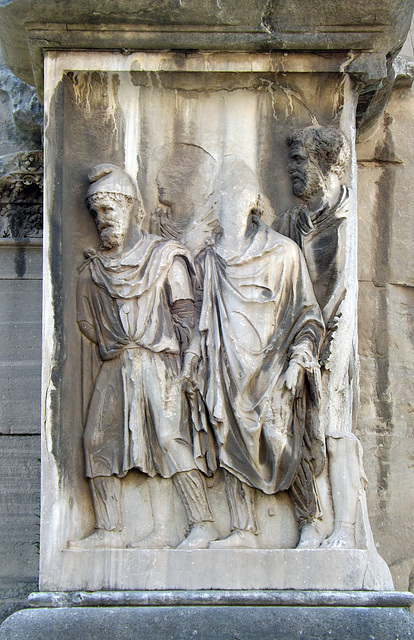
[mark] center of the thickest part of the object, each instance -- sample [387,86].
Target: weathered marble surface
[346,569]
[20,509]
[174,623]
[236,25]
[289,597]
[21,115]
[386,330]
[102,107]
[396,509]
[20,356]
[20,337]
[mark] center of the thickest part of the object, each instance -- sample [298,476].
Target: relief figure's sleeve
[90,361]
[194,346]
[84,313]
[306,344]
[286,224]
[181,299]
[305,354]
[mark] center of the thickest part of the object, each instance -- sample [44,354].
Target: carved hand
[293,378]
[189,368]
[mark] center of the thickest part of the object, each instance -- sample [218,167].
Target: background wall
[386,272]
[20,361]
[386,328]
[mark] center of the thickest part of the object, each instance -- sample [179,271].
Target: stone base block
[206,623]
[123,569]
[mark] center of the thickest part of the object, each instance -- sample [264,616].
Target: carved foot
[200,536]
[310,537]
[238,539]
[342,537]
[155,540]
[99,539]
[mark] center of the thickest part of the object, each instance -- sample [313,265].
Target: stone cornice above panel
[375,25]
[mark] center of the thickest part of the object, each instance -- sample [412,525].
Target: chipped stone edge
[221,598]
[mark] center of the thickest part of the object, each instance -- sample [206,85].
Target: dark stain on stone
[20,260]
[55,253]
[383,405]
[267,15]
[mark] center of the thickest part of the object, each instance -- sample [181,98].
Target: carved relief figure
[319,157]
[261,329]
[135,302]
[185,181]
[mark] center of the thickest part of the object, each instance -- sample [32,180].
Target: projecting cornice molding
[29,27]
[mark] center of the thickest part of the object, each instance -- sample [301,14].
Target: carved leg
[106,492]
[345,479]
[304,495]
[161,536]
[243,524]
[192,490]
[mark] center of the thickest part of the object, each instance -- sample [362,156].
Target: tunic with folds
[137,414]
[259,312]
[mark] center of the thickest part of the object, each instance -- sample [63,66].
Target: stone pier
[200,386]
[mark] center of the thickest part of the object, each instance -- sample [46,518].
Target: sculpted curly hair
[327,144]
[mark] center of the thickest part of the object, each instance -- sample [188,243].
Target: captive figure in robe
[135,302]
[260,329]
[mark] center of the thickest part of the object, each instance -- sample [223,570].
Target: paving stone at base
[208,623]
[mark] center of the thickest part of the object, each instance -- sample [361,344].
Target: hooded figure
[261,329]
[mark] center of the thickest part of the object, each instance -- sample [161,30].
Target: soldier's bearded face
[112,221]
[304,172]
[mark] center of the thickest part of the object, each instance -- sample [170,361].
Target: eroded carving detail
[21,192]
[319,159]
[260,329]
[136,303]
[212,340]
[186,183]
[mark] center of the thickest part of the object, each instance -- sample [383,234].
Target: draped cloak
[258,312]
[137,413]
[321,236]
